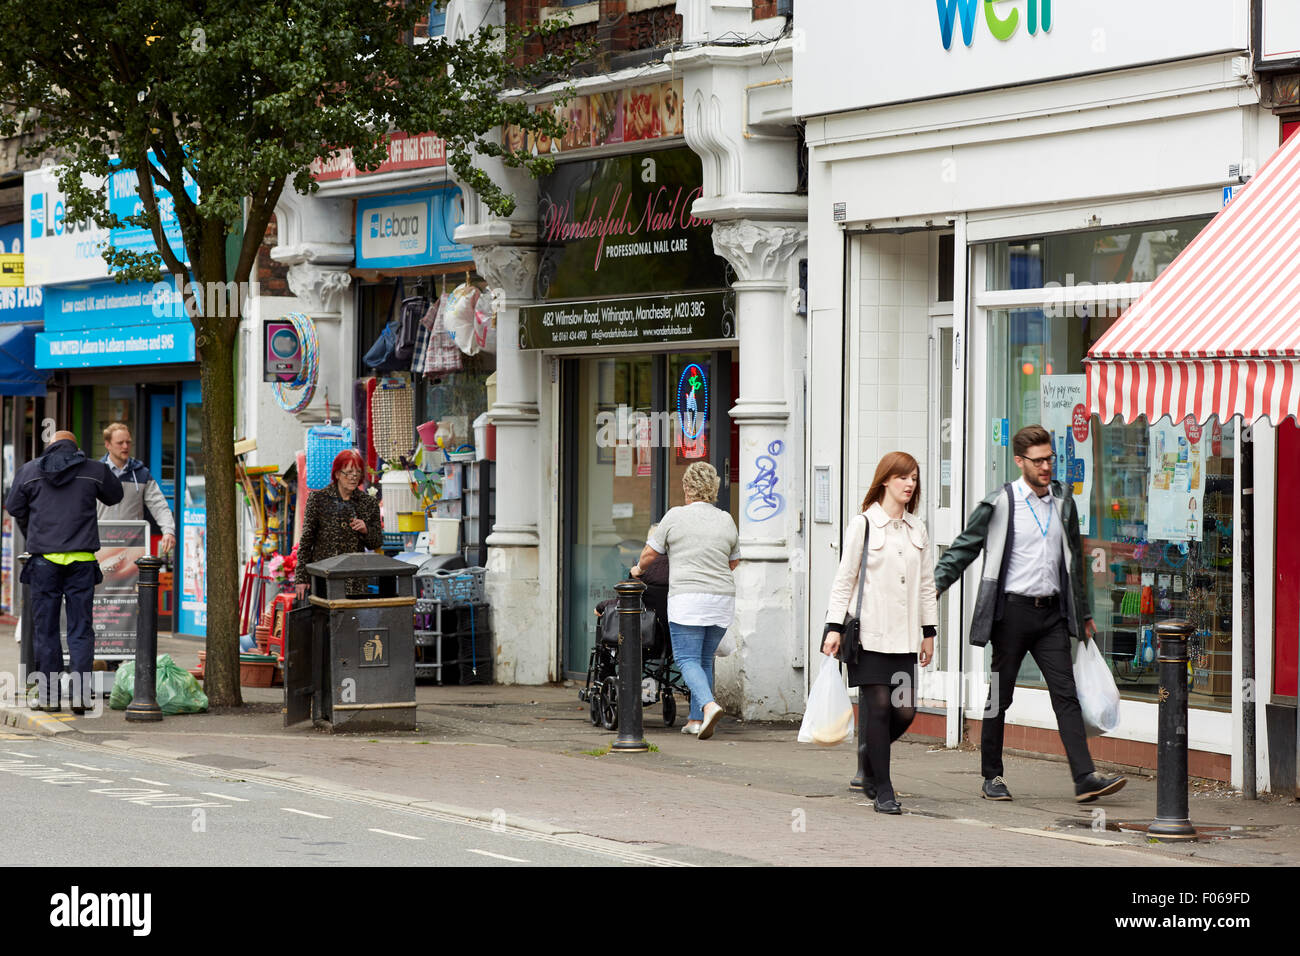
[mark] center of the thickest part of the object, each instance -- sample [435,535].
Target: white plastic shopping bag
[828,719]
[1098,695]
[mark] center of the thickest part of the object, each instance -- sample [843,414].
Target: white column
[761,682]
[523,652]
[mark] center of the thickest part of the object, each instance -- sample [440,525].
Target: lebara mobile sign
[921,49]
[411,229]
[60,249]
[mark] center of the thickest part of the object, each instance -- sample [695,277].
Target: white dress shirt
[1035,565]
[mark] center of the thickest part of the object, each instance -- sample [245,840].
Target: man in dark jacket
[1032,599]
[53,499]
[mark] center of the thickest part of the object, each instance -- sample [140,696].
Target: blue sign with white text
[411,229]
[113,323]
[21,304]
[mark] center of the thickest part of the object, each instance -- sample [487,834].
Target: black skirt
[873,667]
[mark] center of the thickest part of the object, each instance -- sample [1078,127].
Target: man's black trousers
[1041,633]
[51,584]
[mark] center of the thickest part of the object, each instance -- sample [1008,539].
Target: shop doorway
[632,425]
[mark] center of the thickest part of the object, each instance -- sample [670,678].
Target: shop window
[1155,499]
[945,268]
[455,397]
[112,403]
[1133,254]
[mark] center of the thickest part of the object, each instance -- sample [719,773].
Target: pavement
[527,757]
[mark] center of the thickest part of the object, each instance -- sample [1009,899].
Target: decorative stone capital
[321,288]
[757,251]
[511,270]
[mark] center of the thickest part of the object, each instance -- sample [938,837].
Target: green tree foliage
[241,96]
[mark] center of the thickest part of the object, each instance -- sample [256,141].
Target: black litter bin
[350,659]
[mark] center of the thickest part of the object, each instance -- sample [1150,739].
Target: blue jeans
[693,648]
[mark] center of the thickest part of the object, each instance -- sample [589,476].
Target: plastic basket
[324,442]
[454,587]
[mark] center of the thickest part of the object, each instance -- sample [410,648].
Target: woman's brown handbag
[851,639]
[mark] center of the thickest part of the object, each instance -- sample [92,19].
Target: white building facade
[985,195]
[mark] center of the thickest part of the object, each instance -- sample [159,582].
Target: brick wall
[615,30]
[764,9]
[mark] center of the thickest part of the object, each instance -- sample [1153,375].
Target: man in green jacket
[1033,597]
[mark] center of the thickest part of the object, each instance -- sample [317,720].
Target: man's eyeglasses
[1038,462]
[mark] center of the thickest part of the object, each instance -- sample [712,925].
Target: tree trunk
[216,342]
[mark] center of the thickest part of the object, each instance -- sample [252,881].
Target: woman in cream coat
[899,616]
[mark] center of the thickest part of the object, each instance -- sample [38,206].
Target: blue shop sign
[18,304]
[411,229]
[113,323]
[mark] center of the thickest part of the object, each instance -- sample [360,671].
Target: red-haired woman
[899,616]
[339,519]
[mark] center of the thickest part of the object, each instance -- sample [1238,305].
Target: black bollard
[144,700]
[631,739]
[27,645]
[1171,822]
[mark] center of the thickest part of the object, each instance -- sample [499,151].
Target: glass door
[633,424]
[612,483]
[193,562]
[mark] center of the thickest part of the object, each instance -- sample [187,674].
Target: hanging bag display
[443,356]
[422,336]
[461,318]
[382,356]
[408,329]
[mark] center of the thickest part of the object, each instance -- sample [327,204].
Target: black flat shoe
[890,806]
[865,786]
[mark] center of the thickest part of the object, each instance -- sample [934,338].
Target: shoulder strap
[862,566]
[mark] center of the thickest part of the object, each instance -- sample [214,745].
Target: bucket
[485,439]
[410,521]
[428,432]
[444,535]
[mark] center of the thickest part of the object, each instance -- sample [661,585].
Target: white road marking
[82,766]
[152,783]
[18,753]
[223,796]
[318,816]
[1068,837]
[404,836]
[497,856]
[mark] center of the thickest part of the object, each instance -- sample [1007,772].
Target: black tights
[880,723]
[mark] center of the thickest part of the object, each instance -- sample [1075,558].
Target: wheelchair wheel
[670,708]
[594,705]
[609,707]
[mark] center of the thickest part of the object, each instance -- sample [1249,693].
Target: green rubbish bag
[177,690]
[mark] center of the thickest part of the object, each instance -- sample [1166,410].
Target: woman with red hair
[885,581]
[340,519]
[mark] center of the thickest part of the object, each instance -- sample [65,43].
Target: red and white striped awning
[1218,332]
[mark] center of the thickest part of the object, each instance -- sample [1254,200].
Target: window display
[1155,500]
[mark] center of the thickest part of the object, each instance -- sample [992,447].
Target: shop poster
[1064,401]
[1176,489]
[194,568]
[117,598]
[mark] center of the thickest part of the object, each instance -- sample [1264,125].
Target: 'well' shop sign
[623,226]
